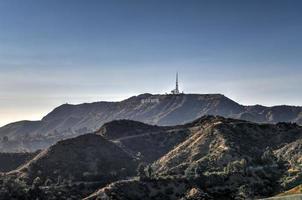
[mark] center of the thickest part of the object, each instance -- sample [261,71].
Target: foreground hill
[72,120]
[70,169]
[210,158]
[86,158]
[219,141]
[220,158]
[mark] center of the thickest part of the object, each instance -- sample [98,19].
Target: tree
[35,192]
[199,170]
[141,171]
[268,157]
[149,171]
[48,182]
[190,172]
[37,182]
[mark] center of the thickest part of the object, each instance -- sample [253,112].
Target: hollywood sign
[144,101]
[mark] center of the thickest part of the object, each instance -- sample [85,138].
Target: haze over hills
[68,121]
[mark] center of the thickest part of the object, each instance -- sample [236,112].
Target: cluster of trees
[145,171]
[13,188]
[238,166]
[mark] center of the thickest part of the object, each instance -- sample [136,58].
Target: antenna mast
[176,88]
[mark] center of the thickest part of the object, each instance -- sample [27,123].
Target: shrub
[48,182]
[37,182]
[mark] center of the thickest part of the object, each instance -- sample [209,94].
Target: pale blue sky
[58,51]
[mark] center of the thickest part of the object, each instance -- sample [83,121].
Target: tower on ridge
[176,90]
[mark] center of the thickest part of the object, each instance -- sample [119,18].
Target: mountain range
[211,157]
[67,121]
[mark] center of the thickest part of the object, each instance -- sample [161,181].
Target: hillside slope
[223,158]
[211,157]
[218,141]
[70,169]
[68,121]
[11,161]
[85,158]
[145,142]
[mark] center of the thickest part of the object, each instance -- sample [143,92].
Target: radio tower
[176,90]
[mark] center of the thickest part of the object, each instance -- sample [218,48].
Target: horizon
[78,52]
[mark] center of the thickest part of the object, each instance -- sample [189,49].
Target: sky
[74,51]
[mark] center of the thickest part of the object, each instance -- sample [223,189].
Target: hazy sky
[58,51]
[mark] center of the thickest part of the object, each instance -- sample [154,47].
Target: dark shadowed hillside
[72,168]
[124,128]
[72,120]
[11,161]
[85,158]
[145,142]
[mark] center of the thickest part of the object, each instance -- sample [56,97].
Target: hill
[211,157]
[72,168]
[145,142]
[221,158]
[68,121]
[85,158]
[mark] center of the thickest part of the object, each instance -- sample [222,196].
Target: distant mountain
[68,121]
